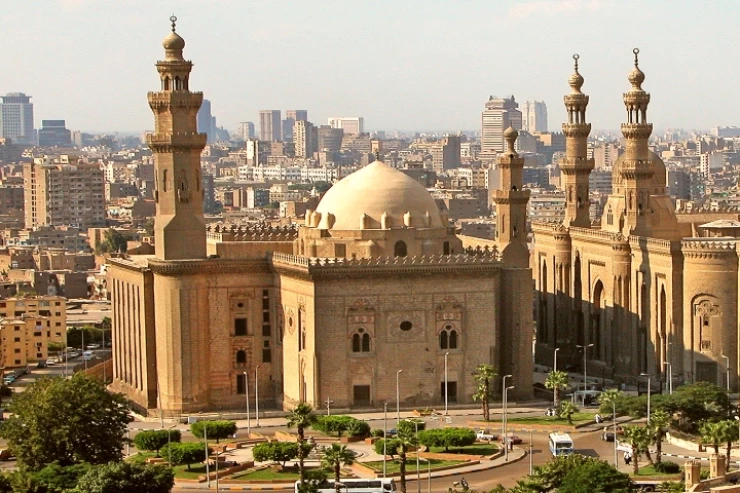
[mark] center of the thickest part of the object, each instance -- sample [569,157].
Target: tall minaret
[576,166]
[179,228]
[511,205]
[637,172]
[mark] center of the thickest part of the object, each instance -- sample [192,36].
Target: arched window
[178,85]
[400,249]
[164,181]
[361,341]
[166,84]
[241,357]
[448,338]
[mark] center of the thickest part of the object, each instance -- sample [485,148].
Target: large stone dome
[655,162]
[362,199]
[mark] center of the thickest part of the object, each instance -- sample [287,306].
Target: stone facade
[647,295]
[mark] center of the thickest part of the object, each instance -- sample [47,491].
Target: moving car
[511,438]
[608,436]
[51,362]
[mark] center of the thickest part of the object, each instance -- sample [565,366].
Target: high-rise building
[499,115]
[205,120]
[534,116]
[350,124]
[270,126]
[330,139]
[62,193]
[246,131]
[291,117]
[305,139]
[54,133]
[16,118]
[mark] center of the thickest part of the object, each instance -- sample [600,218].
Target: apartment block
[27,326]
[63,194]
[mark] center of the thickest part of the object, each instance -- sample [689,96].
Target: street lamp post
[614,421]
[530,452]
[670,376]
[429,473]
[416,434]
[385,438]
[554,369]
[169,442]
[585,379]
[246,392]
[398,396]
[503,405]
[648,399]
[446,355]
[727,372]
[506,438]
[257,394]
[208,455]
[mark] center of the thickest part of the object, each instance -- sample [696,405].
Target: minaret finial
[173,20]
[636,51]
[575,61]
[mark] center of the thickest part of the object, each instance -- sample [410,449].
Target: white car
[51,362]
[484,436]
[624,447]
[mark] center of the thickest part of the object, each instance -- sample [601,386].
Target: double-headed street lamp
[446,355]
[398,396]
[554,369]
[257,394]
[670,377]
[246,392]
[418,474]
[503,404]
[585,380]
[429,472]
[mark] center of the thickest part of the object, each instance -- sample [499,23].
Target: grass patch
[477,449]
[578,418]
[141,457]
[269,473]
[393,466]
[181,472]
[649,471]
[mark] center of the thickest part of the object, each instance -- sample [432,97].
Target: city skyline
[427,67]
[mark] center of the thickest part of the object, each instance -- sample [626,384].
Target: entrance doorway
[451,391]
[706,372]
[361,395]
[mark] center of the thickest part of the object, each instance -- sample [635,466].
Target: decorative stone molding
[210,266]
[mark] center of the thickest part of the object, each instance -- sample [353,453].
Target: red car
[512,438]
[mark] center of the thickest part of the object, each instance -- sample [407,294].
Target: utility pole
[328,406]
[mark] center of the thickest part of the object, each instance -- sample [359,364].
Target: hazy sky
[402,64]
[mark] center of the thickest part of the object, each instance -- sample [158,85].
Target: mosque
[372,300]
[646,291]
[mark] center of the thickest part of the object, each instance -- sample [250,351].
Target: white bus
[356,486]
[560,444]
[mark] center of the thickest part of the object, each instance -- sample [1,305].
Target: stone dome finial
[576,80]
[510,134]
[636,76]
[173,43]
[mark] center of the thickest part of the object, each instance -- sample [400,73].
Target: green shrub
[184,453]
[275,451]
[667,467]
[359,428]
[391,446]
[214,429]
[155,439]
[341,424]
[377,433]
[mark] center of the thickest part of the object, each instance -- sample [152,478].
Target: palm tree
[333,459]
[484,375]
[638,438]
[729,433]
[712,434]
[557,381]
[406,438]
[660,421]
[301,417]
[566,410]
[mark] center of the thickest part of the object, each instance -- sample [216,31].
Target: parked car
[51,362]
[5,454]
[485,436]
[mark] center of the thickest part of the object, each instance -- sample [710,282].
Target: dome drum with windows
[377,211]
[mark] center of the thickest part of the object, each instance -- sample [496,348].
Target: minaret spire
[636,173]
[179,227]
[511,205]
[576,166]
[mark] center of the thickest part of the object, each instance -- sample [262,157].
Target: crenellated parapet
[708,249]
[251,232]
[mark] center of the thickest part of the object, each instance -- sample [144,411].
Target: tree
[566,410]
[280,452]
[561,474]
[484,375]
[729,433]
[340,424]
[184,453]
[557,381]
[700,402]
[639,438]
[607,398]
[213,429]
[660,421]
[113,242]
[67,420]
[336,456]
[711,435]
[53,478]
[300,418]
[155,439]
[391,446]
[447,437]
[127,477]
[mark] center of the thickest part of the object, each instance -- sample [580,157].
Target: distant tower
[16,118]
[576,166]
[179,228]
[511,205]
[499,114]
[637,171]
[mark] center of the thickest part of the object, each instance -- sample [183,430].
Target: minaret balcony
[511,196]
[577,130]
[637,130]
[158,142]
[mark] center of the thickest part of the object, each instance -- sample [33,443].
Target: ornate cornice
[209,266]
[708,249]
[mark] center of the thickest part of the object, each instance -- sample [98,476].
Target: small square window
[266,330]
[267,356]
